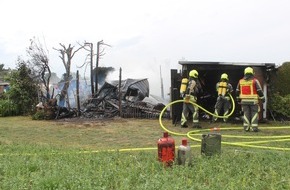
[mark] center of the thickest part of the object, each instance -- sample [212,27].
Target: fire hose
[251,144]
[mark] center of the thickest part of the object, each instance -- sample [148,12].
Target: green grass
[78,155]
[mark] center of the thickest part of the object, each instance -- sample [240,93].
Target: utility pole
[120,93]
[99,54]
[91,66]
[162,89]
[97,64]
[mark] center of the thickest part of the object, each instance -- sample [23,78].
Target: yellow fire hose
[190,134]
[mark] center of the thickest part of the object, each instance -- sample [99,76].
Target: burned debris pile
[127,98]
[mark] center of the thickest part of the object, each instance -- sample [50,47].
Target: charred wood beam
[112,103]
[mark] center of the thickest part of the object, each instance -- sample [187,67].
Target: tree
[281,81]
[279,100]
[23,88]
[1,67]
[39,64]
[3,72]
[66,55]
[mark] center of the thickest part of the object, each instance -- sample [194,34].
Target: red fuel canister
[166,149]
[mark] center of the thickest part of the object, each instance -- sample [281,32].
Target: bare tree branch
[66,55]
[39,63]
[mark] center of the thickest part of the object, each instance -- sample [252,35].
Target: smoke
[102,73]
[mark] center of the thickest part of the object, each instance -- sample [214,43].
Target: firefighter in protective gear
[189,94]
[223,88]
[249,92]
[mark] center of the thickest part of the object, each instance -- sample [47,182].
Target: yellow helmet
[225,76]
[249,70]
[193,73]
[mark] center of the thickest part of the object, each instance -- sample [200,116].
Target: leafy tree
[1,67]
[3,72]
[279,100]
[280,106]
[23,89]
[281,80]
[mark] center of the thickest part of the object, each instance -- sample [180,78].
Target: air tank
[183,85]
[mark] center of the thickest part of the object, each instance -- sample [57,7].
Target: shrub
[23,91]
[7,108]
[39,115]
[279,97]
[280,105]
[280,82]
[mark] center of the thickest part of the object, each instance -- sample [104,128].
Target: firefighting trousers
[188,107]
[250,116]
[222,104]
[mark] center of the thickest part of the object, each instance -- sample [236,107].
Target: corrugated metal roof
[142,85]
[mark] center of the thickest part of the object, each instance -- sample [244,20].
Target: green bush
[23,89]
[279,97]
[281,80]
[39,115]
[280,105]
[7,108]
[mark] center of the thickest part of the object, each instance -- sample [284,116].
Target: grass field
[122,154]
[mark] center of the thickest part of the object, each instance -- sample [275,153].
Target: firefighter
[248,93]
[223,88]
[189,94]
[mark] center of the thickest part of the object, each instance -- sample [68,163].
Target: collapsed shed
[209,75]
[123,98]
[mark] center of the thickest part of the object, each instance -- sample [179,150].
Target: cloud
[125,43]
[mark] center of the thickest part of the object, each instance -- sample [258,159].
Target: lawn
[122,154]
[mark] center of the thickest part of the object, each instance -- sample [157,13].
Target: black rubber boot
[246,128]
[184,125]
[255,129]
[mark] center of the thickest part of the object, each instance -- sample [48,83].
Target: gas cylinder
[184,154]
[166,149]
[183,85]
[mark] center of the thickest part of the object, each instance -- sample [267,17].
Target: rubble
[133,92]
[131,99]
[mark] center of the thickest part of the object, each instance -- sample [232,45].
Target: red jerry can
[166,149]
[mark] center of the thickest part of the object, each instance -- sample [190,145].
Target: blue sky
[145,35]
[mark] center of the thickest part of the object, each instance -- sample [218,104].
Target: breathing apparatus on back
[222,85]
[183,86]
[184,82]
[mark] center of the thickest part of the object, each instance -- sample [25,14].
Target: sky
[148,37]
